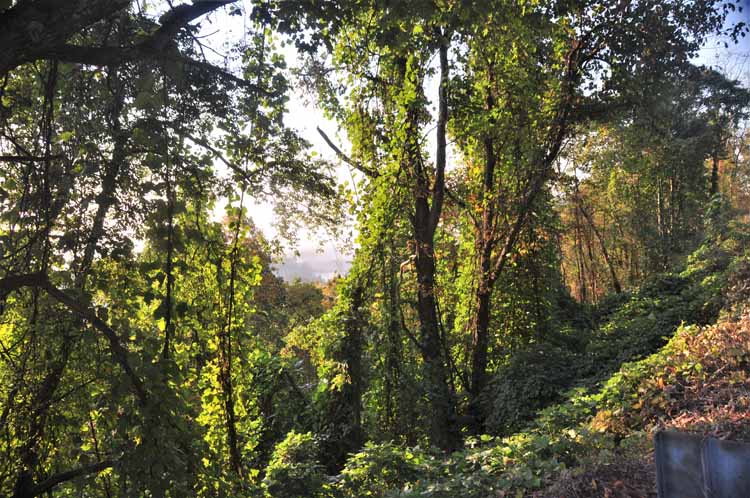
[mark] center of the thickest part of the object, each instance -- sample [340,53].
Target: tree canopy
[526,173]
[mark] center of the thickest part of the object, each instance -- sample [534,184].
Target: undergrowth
[597,440]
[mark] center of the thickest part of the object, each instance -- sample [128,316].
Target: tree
[148,349]
[571,62]
[530,80]
[131,123]
[653,155]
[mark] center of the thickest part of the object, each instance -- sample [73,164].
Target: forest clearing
[544,207]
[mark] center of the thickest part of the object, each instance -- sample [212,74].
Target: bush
[380,469]
[294,470]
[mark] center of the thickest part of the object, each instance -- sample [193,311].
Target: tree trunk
[493,255]
[393,352]
[714,173]
[225,366]
[486,242]
[442,417]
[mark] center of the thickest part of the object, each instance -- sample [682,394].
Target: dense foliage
[549,199]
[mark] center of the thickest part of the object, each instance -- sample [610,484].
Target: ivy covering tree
[541,191]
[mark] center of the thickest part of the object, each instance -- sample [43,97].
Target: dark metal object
[690,466]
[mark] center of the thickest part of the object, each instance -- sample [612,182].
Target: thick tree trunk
[442,417]
[346,409]
[442,428]
[486,245]
[480,341]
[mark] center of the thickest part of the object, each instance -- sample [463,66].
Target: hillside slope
[598,442]
[699,382]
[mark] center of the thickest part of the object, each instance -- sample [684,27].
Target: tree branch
[557,132]
[28,159]
[114,56]
[117,350]
[438,188]
[32,31]
[459,201]
[15,282]
[178,18]
[30,28]
[369,172]
[52,481]
[237,169]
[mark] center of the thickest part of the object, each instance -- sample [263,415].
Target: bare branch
[234,167]
[369,172]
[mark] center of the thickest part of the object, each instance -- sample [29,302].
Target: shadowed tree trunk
[603,245]
[442,419]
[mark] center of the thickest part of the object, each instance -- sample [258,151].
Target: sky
[734,60]
[316,258]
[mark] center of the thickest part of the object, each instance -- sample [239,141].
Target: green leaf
[65,136]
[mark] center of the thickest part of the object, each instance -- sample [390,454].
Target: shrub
[380,469]
[294,470]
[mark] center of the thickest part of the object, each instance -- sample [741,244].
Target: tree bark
[486,242]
